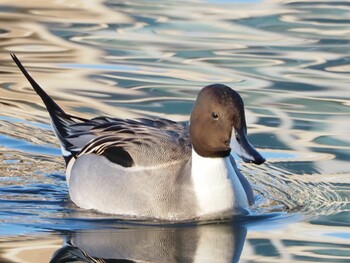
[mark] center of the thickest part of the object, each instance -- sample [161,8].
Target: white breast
[217,187]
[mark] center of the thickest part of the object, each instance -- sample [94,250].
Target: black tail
[49,103]
[60,120]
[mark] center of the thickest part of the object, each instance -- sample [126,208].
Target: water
[288,59]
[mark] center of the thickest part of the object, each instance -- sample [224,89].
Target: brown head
[217,120]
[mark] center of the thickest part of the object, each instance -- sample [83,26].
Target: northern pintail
[158,169]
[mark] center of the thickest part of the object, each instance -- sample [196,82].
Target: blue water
[288,59]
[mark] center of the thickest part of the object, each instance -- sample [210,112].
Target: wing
[140,142]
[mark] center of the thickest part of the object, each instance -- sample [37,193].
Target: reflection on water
[207,243]
[288,59]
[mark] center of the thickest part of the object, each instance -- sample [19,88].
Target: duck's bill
[243,148]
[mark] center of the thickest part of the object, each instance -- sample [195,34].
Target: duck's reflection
[206,243]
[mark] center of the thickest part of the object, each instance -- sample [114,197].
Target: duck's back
[131,143]
[133,168]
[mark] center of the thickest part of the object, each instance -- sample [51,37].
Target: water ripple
[280,190]
[288,59]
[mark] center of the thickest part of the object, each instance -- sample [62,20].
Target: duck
[158,169]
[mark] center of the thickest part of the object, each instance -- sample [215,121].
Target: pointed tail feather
[60,120]
[49,103]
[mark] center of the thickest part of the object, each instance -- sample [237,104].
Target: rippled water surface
[289,60]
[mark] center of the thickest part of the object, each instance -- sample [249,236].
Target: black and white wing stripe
[140,142]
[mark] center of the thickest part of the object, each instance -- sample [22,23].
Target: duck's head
[218,123]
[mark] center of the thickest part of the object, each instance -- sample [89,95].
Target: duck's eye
[214,115]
